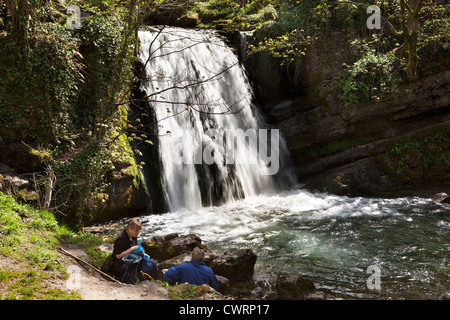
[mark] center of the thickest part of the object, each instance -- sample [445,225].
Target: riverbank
[331,240]
[298,237]
[33,268]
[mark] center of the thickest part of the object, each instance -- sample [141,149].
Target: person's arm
[124,253]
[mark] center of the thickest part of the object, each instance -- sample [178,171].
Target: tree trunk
[411,68]
[409,20]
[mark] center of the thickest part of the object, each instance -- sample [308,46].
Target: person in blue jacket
[193,272]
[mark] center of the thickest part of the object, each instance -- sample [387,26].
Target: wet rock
[294,287]
[441,197]
[282,111]
[274,286]
[186,257]
[164,238]
[185,243]
[222,283]
[235,264]
[94,230]
[242,290]
[316,295]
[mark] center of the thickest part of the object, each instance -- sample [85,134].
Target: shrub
[373,76]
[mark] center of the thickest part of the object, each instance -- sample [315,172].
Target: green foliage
[108,68]
[286,46]
[373,76]
[429,149]
[379,64]
[237,14]
[434,41]
[307,22]
[63,90]
[27,233]
[38,84]
[82,176]
[311,16]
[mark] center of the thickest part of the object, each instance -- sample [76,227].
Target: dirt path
[92,286]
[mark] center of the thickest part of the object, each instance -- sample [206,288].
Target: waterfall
[243,45]
[213,144]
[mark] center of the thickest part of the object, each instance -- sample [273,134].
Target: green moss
[121,152]
[246,16]
[31,285]
[183,291]
[338,181]
[39,157]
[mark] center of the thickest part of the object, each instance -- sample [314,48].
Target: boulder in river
[235,264]
[294,287]
[165,247]
[441,197]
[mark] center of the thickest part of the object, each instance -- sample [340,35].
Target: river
[352,248]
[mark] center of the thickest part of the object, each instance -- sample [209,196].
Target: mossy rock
[189,20]
[24,158]
[422,157]
[166,247]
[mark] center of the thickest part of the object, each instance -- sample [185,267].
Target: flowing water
[214,144]
[360,248]
[333,240]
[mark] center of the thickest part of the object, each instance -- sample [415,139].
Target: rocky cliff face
[399,143]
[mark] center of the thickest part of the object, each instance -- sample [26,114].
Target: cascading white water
[330,239]
[202,100]
[198,91]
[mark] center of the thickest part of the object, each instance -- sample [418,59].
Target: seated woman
[128,243]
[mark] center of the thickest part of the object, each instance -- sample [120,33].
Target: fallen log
[91,266]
